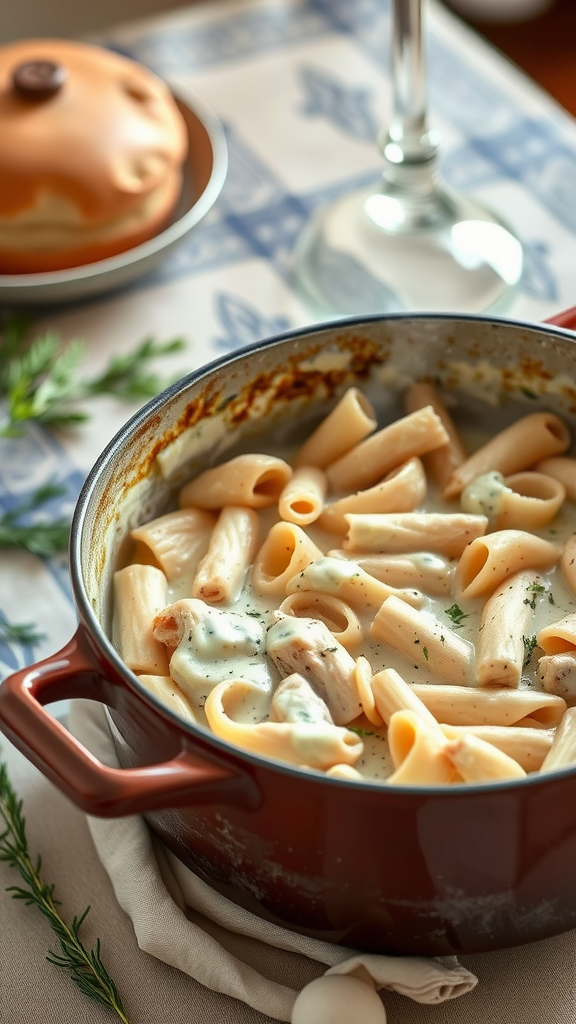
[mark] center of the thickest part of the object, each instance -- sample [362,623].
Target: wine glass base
[357,256]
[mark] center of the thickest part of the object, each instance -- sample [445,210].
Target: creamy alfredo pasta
[395,604]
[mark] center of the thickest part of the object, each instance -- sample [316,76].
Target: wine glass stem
[409,146]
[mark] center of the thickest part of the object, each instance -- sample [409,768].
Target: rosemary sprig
[41,538]
[40,379]
[84,966]
[19,633]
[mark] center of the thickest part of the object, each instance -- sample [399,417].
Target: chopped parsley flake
[455,613]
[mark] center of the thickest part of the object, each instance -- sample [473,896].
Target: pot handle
[91,785]
[567,319]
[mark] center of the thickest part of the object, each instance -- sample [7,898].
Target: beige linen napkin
[183,922]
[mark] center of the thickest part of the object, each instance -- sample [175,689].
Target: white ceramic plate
[204,175]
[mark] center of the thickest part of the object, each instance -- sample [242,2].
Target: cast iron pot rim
[104,643]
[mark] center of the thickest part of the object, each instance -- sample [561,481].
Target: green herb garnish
[19,633]
[455,613]
[40,379]
[425,652]
[40,538]
[84,966]
[529,645]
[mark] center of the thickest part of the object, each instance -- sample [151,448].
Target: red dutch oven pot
[402,870]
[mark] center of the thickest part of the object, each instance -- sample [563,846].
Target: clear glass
[411,243]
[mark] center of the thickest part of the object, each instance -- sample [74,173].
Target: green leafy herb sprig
[40,379]
[42,538]
[84,966]
[20,633]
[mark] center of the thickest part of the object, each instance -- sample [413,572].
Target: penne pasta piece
[363,677]
[563,469]
[392,693]
[309,648]
[253,480]
[369,461]
[389,533]
[402,490]
[418,752]
[562,753]
[490,560]
[530,501]
[422,570]
[557,673]
[521,445]
[477,761]
[169,694]
[350,421]
[294,700]
[501,647]
[302,498]
[568,562]
[312,744]
[527,746]
[344,771]
[331,610]
[346,579]
[177,541]
[484,706]
[286,551]
[220,574]
[558,637]
[424,640]
[140,593]
[443,461]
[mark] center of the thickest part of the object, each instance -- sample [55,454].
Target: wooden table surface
[544,47]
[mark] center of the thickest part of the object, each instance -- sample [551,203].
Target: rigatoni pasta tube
[349,422]
[443,461]
[402,490]
[422,570]
[477,761]
[140,593]
[563,469]
[341,620]
[370,460]
[302,498]
[501,651]
[346,579]
[488,561]
[309,648]
[562,753]
[518,447]
[529,501]
[363,676]
[559,636]
[423,639]
[568,562]
[527,746]
[167,691]
[177,540]
[253,480]
[392,693]
[467,705]
[418,752]
[233,543]
[312,744]
[388,533]
[286,551]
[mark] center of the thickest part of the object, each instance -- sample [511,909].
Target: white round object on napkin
[338,999]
